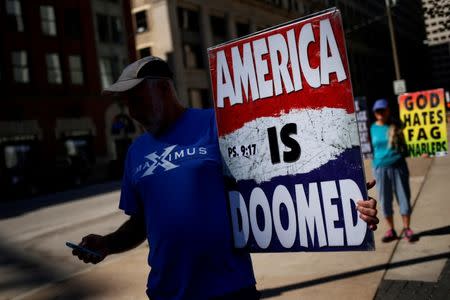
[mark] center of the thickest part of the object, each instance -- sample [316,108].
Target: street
[294,104]
[36,264]
[33,250]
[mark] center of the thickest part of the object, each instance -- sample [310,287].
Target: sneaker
[408,234]
[389,236]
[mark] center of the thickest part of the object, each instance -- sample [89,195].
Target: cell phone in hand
[82,249]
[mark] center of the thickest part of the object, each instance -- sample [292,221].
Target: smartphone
[82,249]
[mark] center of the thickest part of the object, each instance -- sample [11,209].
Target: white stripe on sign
[321,134]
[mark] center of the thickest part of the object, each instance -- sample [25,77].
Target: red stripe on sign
[299,81]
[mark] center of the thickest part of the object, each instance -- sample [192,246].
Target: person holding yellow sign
[390,169]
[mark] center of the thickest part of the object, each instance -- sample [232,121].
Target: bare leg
[406,219]
[390,221]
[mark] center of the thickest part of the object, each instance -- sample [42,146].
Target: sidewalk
[347,275]
[424,277]
[407,290]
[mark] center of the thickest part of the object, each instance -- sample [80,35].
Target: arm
[128,236]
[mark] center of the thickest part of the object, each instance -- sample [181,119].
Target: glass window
[54,74]
[20,66]
[141,21]
[116,29]
[48,20]
[199,98]
[188,19]
[218,29]
[145,52]
[72,23]
[242,29]
[102,27]
[109,70]
[16,156]
[192,54]
[76,147]
[76,69]
[14,15]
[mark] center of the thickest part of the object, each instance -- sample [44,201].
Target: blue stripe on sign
[347,167]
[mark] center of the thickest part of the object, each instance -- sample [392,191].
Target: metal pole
[394,45]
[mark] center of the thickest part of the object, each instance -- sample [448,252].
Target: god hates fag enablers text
[424,120]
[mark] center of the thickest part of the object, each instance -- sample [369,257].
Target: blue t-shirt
[177,180]
[383,155]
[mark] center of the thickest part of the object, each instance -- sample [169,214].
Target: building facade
[180,31]
[437,24]
[55,126]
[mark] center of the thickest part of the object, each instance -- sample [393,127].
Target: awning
[74,127]
[20,130]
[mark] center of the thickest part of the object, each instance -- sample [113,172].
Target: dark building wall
[39,99]
[48,102]
[412,51]
[369,47]
[440,64]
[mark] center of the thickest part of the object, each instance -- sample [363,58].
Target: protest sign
[424,120]
[288,137]
[362,118]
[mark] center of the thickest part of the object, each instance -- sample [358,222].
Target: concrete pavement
[348,275]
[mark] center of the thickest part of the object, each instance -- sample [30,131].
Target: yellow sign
[423,115]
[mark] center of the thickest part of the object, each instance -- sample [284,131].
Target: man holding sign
[174,192]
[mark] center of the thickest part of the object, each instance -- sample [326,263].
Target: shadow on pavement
[437,231]
[21,273]
[272,292]
[19,207]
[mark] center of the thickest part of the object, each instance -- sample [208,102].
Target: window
[109,29]
[218,29]
[109,70]
[242,29]
[76,69]
[17,156]
[116,29]
[141,21]
[14,15]
[20,66]
[192,56]
[199,98]
[145,52]
[276,2]
[188,19]
[53,68]
[72,24]
[48,20]
[102,27]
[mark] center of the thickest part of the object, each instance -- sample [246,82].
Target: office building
[437,24]
[56,57]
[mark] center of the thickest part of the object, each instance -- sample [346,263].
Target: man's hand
[128,236]
[96,243]
[368,209]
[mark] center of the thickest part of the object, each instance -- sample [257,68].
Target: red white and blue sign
[289,138]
